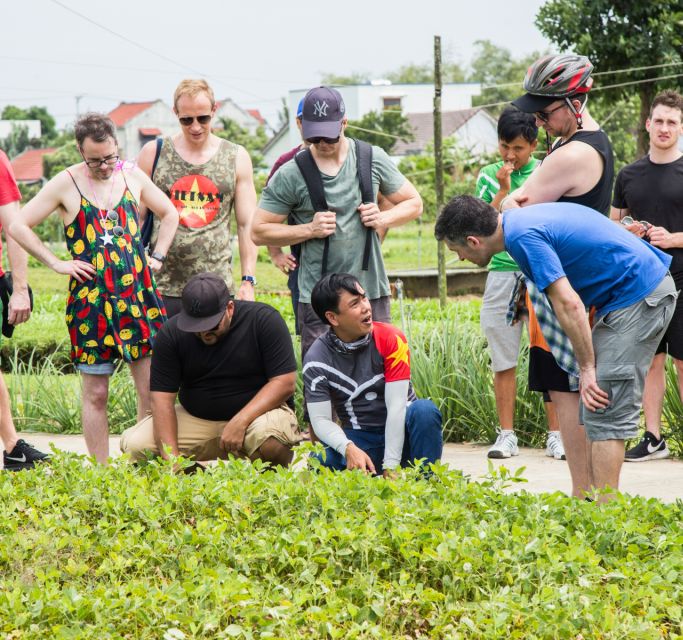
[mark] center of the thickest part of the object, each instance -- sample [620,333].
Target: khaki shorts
[201,439]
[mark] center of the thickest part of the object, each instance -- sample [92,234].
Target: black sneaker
[649,448]
[23,456]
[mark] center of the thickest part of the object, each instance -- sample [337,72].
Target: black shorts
[544,373]
[672,342]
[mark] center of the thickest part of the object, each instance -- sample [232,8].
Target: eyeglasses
[96,164]
[113,217]
[186,121]
[544,116]
[319,139]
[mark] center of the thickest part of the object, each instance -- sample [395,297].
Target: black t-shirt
[215,382]
[654,192]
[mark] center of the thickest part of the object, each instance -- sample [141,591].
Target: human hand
[592,396]
[513,202]
[232,438]
[503,175]
[154,264]
[636,229]
[77,269]
[370,215]
[389,474]
[285,262]
[660,237]
[324,224]
[19,308]
[356,458]
[246,291]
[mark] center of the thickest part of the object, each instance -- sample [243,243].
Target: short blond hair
[193,88]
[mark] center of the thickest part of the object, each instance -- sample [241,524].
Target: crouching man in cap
[231,366]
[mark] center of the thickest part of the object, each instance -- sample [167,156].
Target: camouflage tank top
[203,194]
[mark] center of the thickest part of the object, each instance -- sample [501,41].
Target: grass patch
[119,552]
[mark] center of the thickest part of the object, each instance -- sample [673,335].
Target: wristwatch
[158,256]
[250,279]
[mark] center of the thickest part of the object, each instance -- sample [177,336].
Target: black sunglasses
[319,139]
[544,116]
[186,121]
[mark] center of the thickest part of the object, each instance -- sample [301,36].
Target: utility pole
[438,169]
[78,106]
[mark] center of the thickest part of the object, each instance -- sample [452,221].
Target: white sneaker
[554,447]
[505,445]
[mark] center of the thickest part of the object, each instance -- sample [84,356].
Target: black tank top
[600,196]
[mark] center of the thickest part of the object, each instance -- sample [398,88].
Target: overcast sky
[253,52]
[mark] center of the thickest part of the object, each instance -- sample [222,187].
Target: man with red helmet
[579,168]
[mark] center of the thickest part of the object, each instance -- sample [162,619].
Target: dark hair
[581,97]
[95,126]
[327,291]
[514,123]
[465,216]
[668,98]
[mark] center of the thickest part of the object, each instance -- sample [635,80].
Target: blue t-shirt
[606,265]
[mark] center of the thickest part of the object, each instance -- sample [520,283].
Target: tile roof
[422,125]
[28,166]
[127,110]
[149,131]
[255,113]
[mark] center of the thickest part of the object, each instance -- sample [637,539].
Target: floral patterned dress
[117,313]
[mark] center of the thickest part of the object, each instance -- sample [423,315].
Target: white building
[139,122]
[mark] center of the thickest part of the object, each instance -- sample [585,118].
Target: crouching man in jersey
[361,369]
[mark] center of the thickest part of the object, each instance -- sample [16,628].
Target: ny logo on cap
[195,307]
[319,109]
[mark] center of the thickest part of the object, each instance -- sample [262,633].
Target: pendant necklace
[111,215]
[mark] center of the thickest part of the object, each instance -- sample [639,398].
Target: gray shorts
[624,342]
[97,369]
[503,340]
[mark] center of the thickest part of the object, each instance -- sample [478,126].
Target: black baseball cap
[205,299]
[322,113]
[531,103]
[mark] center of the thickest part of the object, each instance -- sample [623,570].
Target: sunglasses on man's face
[319,139]
[186,121]
[544,116]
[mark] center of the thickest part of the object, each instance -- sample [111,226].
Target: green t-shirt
[287,194]
[488,187]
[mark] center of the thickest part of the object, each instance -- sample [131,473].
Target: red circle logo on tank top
[197,200]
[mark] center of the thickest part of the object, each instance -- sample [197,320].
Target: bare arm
[571,314]
[19,303]
[572,171]
[270,228]
[155,199]
[245,205]
[165,422]
[407,205]
[274,393]
[46,201]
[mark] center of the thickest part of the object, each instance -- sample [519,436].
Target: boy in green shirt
[517,132]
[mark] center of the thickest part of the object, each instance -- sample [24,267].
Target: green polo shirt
[488,187]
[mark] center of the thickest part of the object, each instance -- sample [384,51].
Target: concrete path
[661,479]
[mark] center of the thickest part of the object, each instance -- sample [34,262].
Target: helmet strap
[577,113]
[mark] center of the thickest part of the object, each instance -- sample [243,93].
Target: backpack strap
[146,231]
[364,167]
[316,191]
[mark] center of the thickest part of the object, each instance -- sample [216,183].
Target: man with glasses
[651,191]
[204,177]
[347,218]
[578,169]
[223,372]
[113,311]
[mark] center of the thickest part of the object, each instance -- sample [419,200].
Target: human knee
[273,451]
[423,415]
[96,393]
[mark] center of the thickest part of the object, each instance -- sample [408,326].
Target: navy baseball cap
[205,299]
[323,113]
[532,103]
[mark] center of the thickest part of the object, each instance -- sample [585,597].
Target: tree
[619,35]
[48,125]
[355,77]
[253,143]
[16,142]
[373,125]
[424,73]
